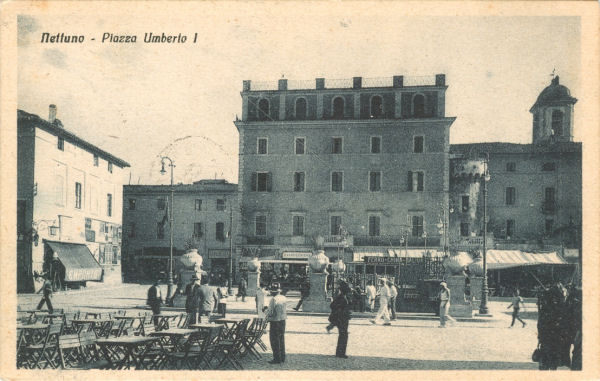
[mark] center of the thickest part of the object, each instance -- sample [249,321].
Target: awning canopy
[80,264]
[271,259]
[503,259]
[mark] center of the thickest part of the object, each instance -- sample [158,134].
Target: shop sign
[257,252]
[296,254]
[218,253]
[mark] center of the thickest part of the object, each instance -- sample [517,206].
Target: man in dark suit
[155,299]
[205,298]
[190,305]
[47,298]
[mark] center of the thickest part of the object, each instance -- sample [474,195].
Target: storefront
[289,268]
[70,264]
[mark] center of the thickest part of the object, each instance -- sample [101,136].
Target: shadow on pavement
[301,361]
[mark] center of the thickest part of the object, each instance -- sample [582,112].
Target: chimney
[52,113]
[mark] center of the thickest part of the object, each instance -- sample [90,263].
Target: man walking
[47,298]
[154,299]
[445,305]
[242,290]
[277,315]
[190,306]
[384,300]
[516,305]
[205,298]
[393,295]
[371,295]
[304,292]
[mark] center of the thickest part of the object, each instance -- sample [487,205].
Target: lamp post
[230,281]
[170,278]
[442,226]
[483,308]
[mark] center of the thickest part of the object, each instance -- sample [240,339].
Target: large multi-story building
[534,194]
[68,205]
[202,217]
[359,165]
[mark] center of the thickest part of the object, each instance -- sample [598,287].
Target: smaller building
[68,206]
[202,219]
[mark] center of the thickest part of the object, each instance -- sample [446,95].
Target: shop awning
[503,259]
[414,253]
[271,259]
[80,264]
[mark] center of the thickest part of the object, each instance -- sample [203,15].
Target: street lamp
[230,281]
[170,278]
[483,308]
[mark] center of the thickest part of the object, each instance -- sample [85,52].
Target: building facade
[534,192]
[357,166]
[68,205]
[203,213]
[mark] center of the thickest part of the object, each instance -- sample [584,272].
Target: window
[61,144]
[198,232]
[160,230]
[109,204]
[375,144]
[263,109]
[78,196]
[464,229]
[132,204]
[419,106]
[297,226]
[299,146]
[338,108]
[465,204]
[261,146]
[110,169]
[160,203]
[220,231]
[549,167]
[260,225]
[557,122]
[198,204]
[417,226]
[418,144]
[549,195]
[90,235]
[300,108]
[374,181]
[299,181]
[220,204]
[549,228]
[415,181]
[510,196]
[261,182]
[335,224]
[510,228]
[511,167]
[376,107]
[337,181]
[95,160]
[337,145]
[132,229]
[374,222]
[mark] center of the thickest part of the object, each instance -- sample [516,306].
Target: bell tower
[553,114]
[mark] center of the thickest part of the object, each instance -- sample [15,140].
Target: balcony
[294,240]
[338,241]
[549,207]
[259,240]
[395,240]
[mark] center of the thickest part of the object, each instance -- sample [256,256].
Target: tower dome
[553,114]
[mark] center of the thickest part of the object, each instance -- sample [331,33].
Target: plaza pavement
[413,341]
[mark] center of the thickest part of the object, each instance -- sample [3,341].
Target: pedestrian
[444,296]
[371,295]
[190,306]
[304,292]
[358,299]
[260,301]
[47,292]
[205,299]
[154,299]
[340,317]
[393,295]
[242,290]
[277,316]
[516,305]
[384,299]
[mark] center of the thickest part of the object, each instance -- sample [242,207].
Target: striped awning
[502,259]
[80,264]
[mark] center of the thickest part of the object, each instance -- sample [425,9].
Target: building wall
[56,173]
[146,216]
[25,198]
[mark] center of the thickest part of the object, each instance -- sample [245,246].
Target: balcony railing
[338,240]
[258,240]
[294,240]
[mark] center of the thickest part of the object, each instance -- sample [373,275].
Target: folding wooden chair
[184,320]
[230,349]
[191,355]
[120,328]
[103,329]
[69,349]
[44,354]
[253,334]
[216,334]
[147,327]
[89,350]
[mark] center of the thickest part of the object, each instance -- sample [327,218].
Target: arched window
[300,108]
[263,109]
[338,108]
[557,123]
[419,106]
[376,107]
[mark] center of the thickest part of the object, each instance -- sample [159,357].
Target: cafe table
[230,324]
[165,321]
[131,320]
[31,333]
[126,351]
[172,337]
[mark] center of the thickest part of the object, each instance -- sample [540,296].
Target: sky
[140,101]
